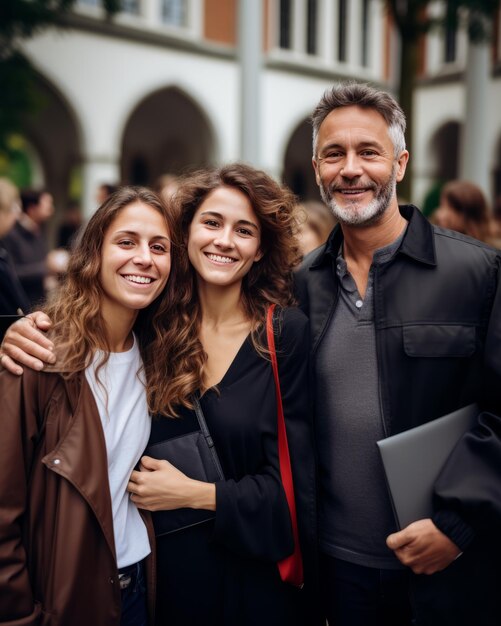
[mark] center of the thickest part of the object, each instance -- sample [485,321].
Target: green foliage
[21,19]
[413,18]
[17,165]
[19,96]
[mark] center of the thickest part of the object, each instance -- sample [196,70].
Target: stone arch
[444,151]
[298,172]
[442,162]
[166,133]
[54,135]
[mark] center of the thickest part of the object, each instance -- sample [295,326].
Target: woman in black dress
[238,225]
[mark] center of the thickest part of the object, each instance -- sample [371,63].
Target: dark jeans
[134,612]
[355,595]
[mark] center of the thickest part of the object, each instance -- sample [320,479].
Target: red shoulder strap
[290,568]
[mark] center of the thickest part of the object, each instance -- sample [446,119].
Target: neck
[360,243]
[119,328]
[221,306]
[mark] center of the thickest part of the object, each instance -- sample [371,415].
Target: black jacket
[13,300]
[437,311]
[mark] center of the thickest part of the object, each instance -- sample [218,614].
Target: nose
[224,239]
[351,166]
[143,255]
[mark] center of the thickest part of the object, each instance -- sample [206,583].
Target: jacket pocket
[439,340]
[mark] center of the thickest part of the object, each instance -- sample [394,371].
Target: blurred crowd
[30,268]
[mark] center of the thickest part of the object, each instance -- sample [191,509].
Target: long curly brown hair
[79,330]
[268,281]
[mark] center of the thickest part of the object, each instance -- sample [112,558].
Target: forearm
[200,495]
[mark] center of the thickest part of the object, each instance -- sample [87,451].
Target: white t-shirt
[121,400]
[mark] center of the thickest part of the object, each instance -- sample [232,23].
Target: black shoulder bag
[195,455]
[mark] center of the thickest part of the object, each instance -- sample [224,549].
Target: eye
[125,243]
[245,231]
[332,156]
[369,153]
[212,223]
[159,248]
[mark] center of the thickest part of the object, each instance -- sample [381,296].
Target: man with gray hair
[406,327]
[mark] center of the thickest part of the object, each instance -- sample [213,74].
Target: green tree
[19,20]
[413,19]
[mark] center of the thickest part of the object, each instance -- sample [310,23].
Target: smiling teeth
[144,280]
[220,259]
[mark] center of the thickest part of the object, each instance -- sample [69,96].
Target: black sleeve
[468,490]
[252,515]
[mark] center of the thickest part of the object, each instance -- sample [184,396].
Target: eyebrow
[362,144]
[216,214]
[133,233]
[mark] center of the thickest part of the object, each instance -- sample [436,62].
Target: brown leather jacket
[57,548]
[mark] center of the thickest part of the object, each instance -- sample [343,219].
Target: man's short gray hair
[364,96]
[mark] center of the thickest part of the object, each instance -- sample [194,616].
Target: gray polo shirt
[355,510]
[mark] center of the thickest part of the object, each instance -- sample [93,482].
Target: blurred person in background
[496,222]
[26,243]
[316,226]
[104,191]
[463,208]
[13,300]
[69,226]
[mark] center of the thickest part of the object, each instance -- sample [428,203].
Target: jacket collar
[418,242]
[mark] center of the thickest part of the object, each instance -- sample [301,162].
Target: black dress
[224,572]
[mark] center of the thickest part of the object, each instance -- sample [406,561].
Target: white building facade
[158,90]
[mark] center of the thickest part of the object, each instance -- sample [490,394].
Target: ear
[402,161]
[259,255]
[315,167]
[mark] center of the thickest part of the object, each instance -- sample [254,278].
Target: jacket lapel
[80,456]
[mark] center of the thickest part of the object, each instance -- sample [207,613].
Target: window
[342,29]
[174,12]
[311,27]
[130,6]
[450,44]
[365,32]
[285,24]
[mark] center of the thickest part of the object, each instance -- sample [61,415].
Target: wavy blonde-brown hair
[79,330]
[268,281]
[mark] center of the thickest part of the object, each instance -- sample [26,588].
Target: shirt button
[56,461]
[359,304]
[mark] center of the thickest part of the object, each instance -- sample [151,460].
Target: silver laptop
[413,459]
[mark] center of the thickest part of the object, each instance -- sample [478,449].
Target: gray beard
[355,215]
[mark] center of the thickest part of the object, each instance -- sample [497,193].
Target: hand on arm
[159,486]
[25,344]
[423,548]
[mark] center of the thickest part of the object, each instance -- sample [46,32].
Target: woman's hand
[24,343]
[159,486]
